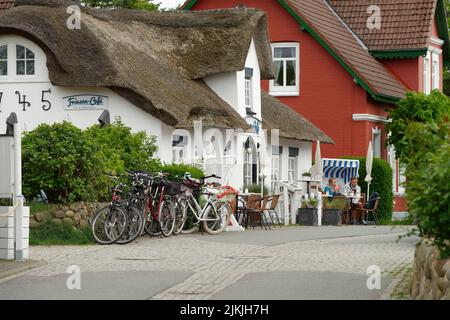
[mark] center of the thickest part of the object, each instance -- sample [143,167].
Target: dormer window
[3,60]
[25,62]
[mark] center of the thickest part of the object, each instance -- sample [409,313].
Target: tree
[126,4]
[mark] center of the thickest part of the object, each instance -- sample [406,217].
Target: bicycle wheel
[180,216]
[134,226]
[108,225]
[218,215]
[190,226]
[166,218]
[152,226]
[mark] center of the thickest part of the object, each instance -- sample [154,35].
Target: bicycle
[159,210]
[109,223]
[215,213]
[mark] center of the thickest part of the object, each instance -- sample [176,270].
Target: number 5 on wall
[23,102]
[49,104]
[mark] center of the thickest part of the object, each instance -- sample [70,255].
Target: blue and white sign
[255,123]
[85,102]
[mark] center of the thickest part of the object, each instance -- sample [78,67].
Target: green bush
[58,159]
[118,149]
[416,107]
[428,188]
[68,163]
[381,183]
[51,233]
[178,170]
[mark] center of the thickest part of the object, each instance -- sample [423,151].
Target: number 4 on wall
[23,101]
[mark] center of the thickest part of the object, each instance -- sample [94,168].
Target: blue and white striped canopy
[340,168]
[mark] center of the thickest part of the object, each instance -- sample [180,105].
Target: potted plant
[332,210]
[306,176]
[307,213]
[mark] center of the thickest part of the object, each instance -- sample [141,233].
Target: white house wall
[33,86]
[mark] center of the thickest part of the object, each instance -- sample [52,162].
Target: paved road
[294,262]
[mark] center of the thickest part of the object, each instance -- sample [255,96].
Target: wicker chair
[253,208]
[271,209]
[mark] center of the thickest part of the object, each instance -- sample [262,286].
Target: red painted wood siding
[328,95]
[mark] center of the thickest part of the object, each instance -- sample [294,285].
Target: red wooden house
[341,63]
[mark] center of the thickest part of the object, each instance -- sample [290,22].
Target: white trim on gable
[369,117]
[437,41]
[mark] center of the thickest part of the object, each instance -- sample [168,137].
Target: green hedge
[381,183]
[69,163]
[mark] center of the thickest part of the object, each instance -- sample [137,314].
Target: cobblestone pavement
[216,265]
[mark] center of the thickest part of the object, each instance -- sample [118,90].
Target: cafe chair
[271,209]
[253,210]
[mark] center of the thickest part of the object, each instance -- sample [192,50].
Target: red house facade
[342,63]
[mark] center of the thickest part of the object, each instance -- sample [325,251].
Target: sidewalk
[11,267]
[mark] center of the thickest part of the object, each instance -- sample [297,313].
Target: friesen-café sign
[85,101]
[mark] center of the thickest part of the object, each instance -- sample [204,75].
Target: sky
[169,3]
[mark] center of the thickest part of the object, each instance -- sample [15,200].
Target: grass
[36,207]
[51,233]
[387,221]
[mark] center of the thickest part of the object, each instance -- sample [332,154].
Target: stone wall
[76,214]
[431,275]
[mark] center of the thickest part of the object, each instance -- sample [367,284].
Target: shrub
[381,183]
[428,188]
[68,163]
[118,149]
[416,107]
[58,159]
[256,188]
[178,170]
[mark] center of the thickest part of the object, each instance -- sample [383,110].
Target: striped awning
[340,168]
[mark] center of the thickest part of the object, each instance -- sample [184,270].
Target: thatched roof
[150,58]
[291,125]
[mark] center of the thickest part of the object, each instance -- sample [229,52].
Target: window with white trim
[287,69]
[292,164]
[25,61]
[435,72]
[4,60]
[376,142]
[248,172]
[426,74]
[276,166]
[248,89]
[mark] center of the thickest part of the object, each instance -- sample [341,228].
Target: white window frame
[286,90]
[248,94]
[292,169]
[248,168]
[427,73]
[435,72]
[376,142]
[401,178]
[275,171]
[6,60]
[25,60]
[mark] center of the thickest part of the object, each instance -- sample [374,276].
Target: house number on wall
[26,104]
[23,101]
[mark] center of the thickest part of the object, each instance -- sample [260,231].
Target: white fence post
[286,205]
[19,214]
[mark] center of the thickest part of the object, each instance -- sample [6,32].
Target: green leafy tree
[126,4]
[416,107]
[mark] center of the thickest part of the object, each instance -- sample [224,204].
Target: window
[401,177]
[287,74]
[248,176]
[435,71]
[276,166]
[292,164]
[24,61]
[426,74]
[248,94]
[179,144]
[376,142]
[3,60]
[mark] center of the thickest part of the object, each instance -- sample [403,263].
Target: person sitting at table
[353,190]
[331,189]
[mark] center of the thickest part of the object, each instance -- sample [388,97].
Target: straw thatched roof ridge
[291,125]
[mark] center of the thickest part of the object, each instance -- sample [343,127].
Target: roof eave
[399,53]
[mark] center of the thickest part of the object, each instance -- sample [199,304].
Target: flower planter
[307,216]
[332,217]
